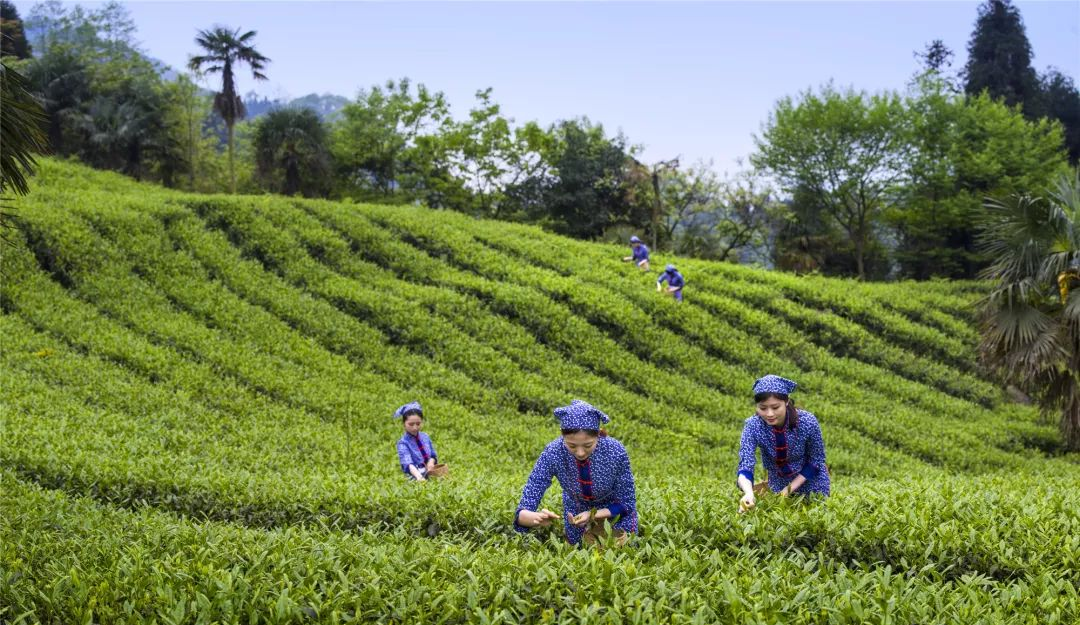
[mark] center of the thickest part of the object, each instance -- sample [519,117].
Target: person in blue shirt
[416,452]
[675,282]
[593,470]
[639,253]
[792,448]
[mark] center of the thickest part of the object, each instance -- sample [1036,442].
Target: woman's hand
[747,502]
[430,464]
[543,518]
[793,486]
[582,519]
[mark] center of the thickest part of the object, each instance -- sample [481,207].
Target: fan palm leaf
[1030,321]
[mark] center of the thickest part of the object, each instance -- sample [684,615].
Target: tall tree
[844,148]
[937,57]
[12,35]
[589,186]
[62,80]
[225,49]
[999,57]
[484,152]
[395,143]
[291,153]
[1030,322]
[1060,100]
[127,129]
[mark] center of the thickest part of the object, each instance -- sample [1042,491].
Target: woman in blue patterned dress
[639,253]
[675,282]
[792,449]
[415,450]
[594,472]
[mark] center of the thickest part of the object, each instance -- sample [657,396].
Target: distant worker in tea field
[639,253]
[792,449]
[415,450]
[674,281]
[593,470]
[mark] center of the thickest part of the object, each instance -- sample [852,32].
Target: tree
[484,152]
[962,149]
[12,36]
[937,57]
[588,188]
[710,218]
[62,80]
[1030,322]
[999,57]
[225,48]
[186,111]
[20,131]
[932,214]
[655,173]
[1060,100]
[20,136]
[386,142]
[291,153]
[844,149]
[126,129]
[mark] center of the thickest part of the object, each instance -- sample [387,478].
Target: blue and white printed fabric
[612,484]
[409,451]
[805,453]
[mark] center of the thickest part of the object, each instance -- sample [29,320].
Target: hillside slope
[196,412]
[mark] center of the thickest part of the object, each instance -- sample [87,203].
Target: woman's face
[773,410]
[580,444]
[413,424]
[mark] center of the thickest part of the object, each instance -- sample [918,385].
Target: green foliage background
[196,406]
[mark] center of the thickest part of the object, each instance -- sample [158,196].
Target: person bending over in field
[415,450]
[792,449]
[639,253]
[675,282]
[594,472]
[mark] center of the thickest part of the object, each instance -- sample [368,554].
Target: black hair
[412,411]
[600,432]
[791,420]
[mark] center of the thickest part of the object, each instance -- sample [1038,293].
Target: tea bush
[196,402]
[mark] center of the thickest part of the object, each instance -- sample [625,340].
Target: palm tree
[223,48]
[1030,322]
[21,135]
[290,150]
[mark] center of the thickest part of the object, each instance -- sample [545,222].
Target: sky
[694,80]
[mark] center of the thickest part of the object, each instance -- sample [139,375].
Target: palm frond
[1016,234]
[21,135]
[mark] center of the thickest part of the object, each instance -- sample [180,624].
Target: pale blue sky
[693,79]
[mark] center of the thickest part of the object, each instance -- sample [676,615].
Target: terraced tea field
[196,398]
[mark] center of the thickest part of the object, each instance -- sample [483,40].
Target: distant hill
[326,105]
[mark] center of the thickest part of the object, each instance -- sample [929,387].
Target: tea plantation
[196,396]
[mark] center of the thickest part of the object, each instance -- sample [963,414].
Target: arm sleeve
[746,454]
[625,491]
[404,457]
[535,487]
[815,452]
